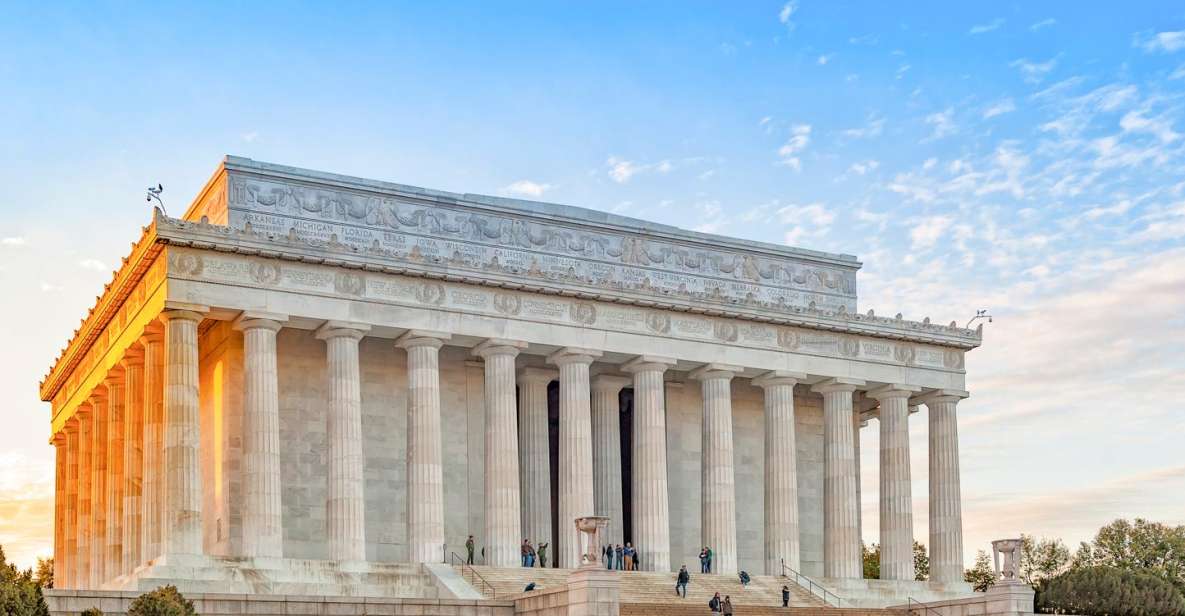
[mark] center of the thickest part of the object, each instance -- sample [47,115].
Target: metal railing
[469,574]
[926,610]
[828,597]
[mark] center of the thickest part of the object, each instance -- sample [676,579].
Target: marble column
[857,424]
[181,530]
[946,509]
[649,499]
[425,469]
[503,530]
[575,472]
[263,530]
[153,492]
[718,478]
[781,471]
[115,479]
[841,538]
[133,459]
[98,540]
[896,500]
[346,504]
[83,577]
[535,454]
[59,509]
[70,553]
[606,453]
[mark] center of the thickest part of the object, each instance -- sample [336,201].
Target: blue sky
[1025,157]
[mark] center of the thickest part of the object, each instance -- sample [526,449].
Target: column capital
[184,311]
[837,384]
[779,377]
[422,338]
[534,374]
[939,395]
[254,319]
[98,394]
[648,363]
[58,439]
[610,382]
[499,346]
[134,356]
[341,329]
[893,390]
[715,371]
[573,355]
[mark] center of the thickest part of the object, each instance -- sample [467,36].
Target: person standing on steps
[469,550]
[629,556]
[543,555]
[785,596]
[607,555]
[727,606]
[714,604]
[530,555]
[620,557]
[523,551]
[681,582]
[703,560]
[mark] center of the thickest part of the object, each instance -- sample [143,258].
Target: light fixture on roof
[154,193]
[979,314]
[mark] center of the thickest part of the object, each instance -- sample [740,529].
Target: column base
[594,591]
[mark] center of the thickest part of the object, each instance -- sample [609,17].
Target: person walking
[620,557]
[714,604]
[523,551]
[469,550]
[785,596]
[543,555]
[703,560]
[681,582]
[727,606]
[745,579]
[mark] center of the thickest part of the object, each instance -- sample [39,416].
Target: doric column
[781,471]
[115,453]
[181,532]
[946,508]
[841,534]
[718,480]
[649,499]
[425,470]
[346,505]
[263,532]
[133,459]
[606,452]
[535,453]
[82,555]
[59,509]
[575,472]
[98,541]
[70,552]
[857,423]
[503,530]
[153,492]
[896,500]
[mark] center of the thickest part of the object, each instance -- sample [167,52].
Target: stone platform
[115,603]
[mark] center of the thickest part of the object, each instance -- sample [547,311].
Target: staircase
[680,609]
[649,590]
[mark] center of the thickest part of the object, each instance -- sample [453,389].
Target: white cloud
[873,128]
[1161,42]
[1115,210]
[49,288]
[862,168]
[902,70]
[527,188]
[928,231]
[15,240]
[1000,107]
[93,264]
[800,137]
[787,12]
[823,59]
[1135,122]
[1034,72]
[1178,73]
[988,27]
[251,136]
[621,170]
[1044,23]
[943,123]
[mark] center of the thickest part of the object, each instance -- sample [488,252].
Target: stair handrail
[926,609]
[818,590]
[456,559]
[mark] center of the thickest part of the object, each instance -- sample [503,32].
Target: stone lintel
[779,377]
[251,319]
[644,363]
[715,371]
[837,384]
[422,337]
[611,382]
[333,329]
[893,390]
[499,346]
[184,310]
[534,373]
[939,395]
[569,355]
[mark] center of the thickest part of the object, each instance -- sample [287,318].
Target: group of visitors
[533,557]
[705,560]
[621,558]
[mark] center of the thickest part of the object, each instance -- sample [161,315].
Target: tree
[20,595]
[1108,591]
[1139,546]
[982,574]
[871,555]
[164,601]
[921,562]
[43,573]
[1042,559]
[91,611]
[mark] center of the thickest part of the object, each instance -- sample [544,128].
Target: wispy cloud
[1044,23]
[988,27]
[999,107]
[1160,42]
[942,123]
[622,170]
[787,12]
[1034,72]
[800,137]
[93,264]
[15,240]
[526,188]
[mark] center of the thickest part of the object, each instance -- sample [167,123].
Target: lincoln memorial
[319,385]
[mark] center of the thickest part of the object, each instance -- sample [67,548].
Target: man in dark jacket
[469,550]
[681,582]
[785,596]
[714,604]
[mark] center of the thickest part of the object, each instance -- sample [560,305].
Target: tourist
[726,607]
[681,582]
[620,557]
[785,596]
[703,560]
[469,550]
[524,551]
[745,579]
[711,555]
[714,604]
[607,554]
[530,555]
[543,555]
[629,556]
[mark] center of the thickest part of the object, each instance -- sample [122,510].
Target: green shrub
[1107,591]
[164,601]
[91,611]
